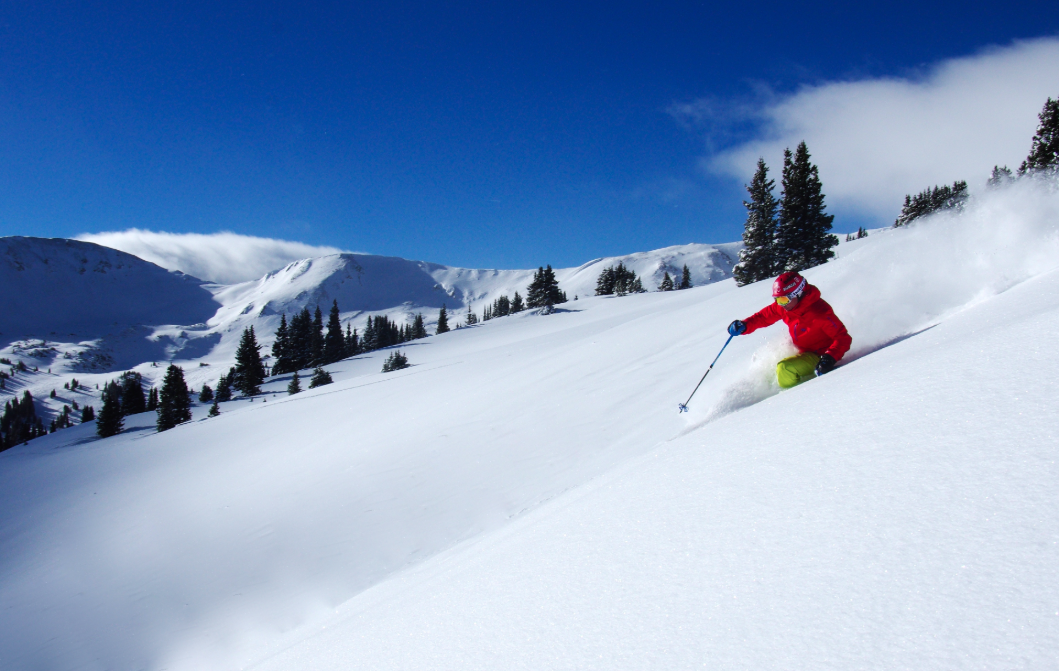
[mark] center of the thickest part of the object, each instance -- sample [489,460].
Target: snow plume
[876,140]
[219,257]
[905,282]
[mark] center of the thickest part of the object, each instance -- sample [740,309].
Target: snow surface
[526,495]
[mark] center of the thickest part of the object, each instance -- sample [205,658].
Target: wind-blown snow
[526,495]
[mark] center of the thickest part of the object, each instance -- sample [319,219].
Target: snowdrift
[526,494]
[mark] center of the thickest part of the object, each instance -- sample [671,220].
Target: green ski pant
[797,369]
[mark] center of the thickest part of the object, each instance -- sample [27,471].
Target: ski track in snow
[527,496]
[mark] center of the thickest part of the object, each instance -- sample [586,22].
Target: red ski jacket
[812,324]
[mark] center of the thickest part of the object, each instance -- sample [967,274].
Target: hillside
[526,495]
[115,312]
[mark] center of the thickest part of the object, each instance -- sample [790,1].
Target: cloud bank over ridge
[876,140]
[223,257]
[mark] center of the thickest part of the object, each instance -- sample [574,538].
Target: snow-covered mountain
[526,495]
[108,311]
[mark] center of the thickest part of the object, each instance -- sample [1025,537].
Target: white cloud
[876,140]
[220,257]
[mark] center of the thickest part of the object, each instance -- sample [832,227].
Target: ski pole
[681,408]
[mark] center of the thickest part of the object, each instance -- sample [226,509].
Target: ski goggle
[783,300]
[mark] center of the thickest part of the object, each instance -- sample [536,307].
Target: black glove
[826,364]
[736,328]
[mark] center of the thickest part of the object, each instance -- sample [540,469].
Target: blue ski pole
[681,408]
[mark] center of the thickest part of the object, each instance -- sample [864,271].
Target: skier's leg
[797,369]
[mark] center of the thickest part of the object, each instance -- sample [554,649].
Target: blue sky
[503,135]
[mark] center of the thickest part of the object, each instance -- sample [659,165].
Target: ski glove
[736,328]
[826,364]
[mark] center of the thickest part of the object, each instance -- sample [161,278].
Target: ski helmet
[789,284]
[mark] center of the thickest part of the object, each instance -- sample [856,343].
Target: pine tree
[132,393]
[295,386]
[418,328]
[1043,155]
[215,410]
[933,200]
[395,362]
[686,278]
[443,321]
[281,349]
[250,372]
[152,400]
[19,422]
[110,421]
[88,414]
[999,177]
[334,343]
[517,304]
[320,377]
[316,356]
[174,400]
[544,291]
[350,345]
[758,256]
[667,284]
[605,282]
[206,394]
[802,239]
[301,346]
[223,391]
[471,317]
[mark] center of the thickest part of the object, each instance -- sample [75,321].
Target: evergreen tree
[395,362]
[206,394]
[334,343]
[471,317]
[1043,155]
[174,400]
[758,257]
[369,342]
[19,422]
[667,284]
[281,349]
[933,200]
[320,377]
[544,291]
[443,322]
[517,304]
[301,341]
[802,239]
[132,393]
[316,356]
[88,414]
[215,410]
[605,282]
[250,372]
[152,400]
[418,328]
[223,392]
[686,278]
[350,345]
[295,386]
[110,419]
[999,177]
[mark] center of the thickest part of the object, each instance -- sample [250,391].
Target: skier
[821,338]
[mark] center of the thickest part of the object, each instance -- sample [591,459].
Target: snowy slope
[114,312]
[527,496]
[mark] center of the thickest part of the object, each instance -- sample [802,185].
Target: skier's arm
[763,318]
[840,338]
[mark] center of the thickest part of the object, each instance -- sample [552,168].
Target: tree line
[1041,163]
